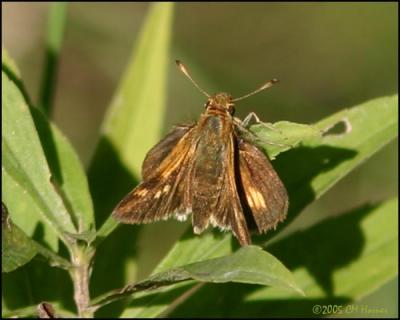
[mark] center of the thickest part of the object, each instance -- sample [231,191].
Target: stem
[80,275]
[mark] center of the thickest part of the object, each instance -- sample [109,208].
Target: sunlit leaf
[23,159]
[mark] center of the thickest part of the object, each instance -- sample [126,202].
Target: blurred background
[328,56]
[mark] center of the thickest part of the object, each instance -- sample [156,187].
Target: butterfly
[212,171]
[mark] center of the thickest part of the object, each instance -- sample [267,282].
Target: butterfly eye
[231,108]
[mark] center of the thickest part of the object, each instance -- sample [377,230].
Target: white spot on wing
[255,198]
[142,192]
[157,195]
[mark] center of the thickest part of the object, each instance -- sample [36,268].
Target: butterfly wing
[264,192]
[159,152]
[165,190]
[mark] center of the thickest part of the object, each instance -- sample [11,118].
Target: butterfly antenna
[184,70]
[265,86]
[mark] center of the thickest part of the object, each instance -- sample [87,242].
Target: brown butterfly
[212,170]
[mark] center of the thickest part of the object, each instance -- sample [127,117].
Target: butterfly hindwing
[264,192]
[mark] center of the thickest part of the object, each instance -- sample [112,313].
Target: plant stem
[80,275]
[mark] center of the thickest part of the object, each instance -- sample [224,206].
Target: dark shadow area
[49,80]
[36,282]
[17,81]
[109,182]
[38,235]
[156,298]
[227,301]
[325,247]
[321,250]
[297,168]
[48,143]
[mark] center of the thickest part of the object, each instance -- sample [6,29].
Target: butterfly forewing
[158,153]
[264,192]
[165,192]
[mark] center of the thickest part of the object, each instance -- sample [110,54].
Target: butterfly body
[211,171]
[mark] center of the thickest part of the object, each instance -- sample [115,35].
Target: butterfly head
[221,101]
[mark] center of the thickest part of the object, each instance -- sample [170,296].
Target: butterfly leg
[246,122]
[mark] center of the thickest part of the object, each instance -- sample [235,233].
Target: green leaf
[67,178]
[18,207]
[282,136]
[16,248]
[247,265]
[319,164]
[19,203]
[9,64]
[68,173]
[23,159]
[332,270]
[133,124]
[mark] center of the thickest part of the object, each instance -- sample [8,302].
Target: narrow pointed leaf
[24,160]
[248,265]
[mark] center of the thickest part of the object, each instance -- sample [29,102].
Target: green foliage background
[327,56]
